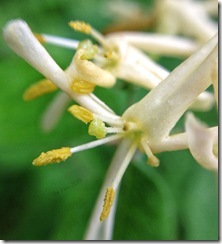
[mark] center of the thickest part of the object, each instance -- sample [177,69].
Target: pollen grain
[53,156]
[108,202]
[38,89]
[81,113]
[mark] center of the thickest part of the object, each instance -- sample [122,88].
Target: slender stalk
[95,226]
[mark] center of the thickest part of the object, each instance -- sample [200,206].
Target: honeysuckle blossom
[152,119]
[115,58]
[146,125]
[132,64]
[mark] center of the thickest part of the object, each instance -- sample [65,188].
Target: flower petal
[160,44]
[201,143]
[20,38]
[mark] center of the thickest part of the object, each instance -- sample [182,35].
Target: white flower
[117,56]
[146,125]
[20,38]
[154,117]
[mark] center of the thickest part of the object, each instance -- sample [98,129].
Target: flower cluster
[146,125]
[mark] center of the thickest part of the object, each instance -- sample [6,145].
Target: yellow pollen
[80,26]
[40,38]
[82,87]
[97,128]
[108,202]
[53,156]
[38,89]
[81,113]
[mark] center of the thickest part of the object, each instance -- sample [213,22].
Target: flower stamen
[59,155]
[88,29]
[38,89]
[96,143]
[152,160]
[97,128]
[108,202]
[81,26]
[87,116]
[117,176]
[58,41]
[82,87]
[53,156]
[81,113]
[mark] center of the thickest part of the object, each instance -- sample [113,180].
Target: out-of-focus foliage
[177,201]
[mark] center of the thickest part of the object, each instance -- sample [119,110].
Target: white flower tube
[158,112]
[20,39]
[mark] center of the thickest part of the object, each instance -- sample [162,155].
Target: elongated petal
[201,143]
[21,40]
[160,44]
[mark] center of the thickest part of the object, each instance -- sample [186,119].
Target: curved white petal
[20,38]
[201,142]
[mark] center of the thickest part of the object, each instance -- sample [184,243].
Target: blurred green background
[177,201]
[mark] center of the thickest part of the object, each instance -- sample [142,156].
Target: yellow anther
[82,87]
[38,89]
[153,161]
[81,113]
[97,128]
[53,156]
[108,202]
[80,26]
[40,38]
